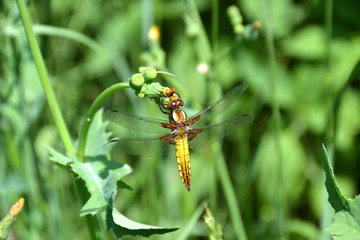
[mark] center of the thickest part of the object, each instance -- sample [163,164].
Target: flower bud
[154,33]
[136,81]
[149,74]
[140,92]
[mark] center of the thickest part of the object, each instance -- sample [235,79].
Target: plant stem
[192,223]
[230,196]
[90,114]
[40,66]
[50,96]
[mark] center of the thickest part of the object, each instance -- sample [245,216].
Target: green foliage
[101,175]
[124,226]
[336,199]
[346,222]
[265,181]
[345,226]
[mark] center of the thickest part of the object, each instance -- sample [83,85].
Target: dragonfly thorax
[181,129]
[177,116]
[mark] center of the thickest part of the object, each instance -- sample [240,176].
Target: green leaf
[121,225]
[336,199]
[354,206]
[346,224]
[59,158]
[100,176]
[96,137]
[122,184]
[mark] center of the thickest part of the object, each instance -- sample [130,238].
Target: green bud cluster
[145,75]
[137,81]
[141,92]
[149,73]
[143,84]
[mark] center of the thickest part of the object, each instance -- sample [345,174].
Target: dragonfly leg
[161,106]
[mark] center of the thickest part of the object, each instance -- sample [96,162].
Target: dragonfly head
[175,102]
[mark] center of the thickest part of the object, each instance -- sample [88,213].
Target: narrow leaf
[336,199]
[122,184]
[121,225]
[97,137]
[346,222]
[191,224]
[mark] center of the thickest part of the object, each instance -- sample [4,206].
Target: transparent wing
[153,146]
[215,109]
[146,146]
[213,132]
[141,124]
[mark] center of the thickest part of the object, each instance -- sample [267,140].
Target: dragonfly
[180,131]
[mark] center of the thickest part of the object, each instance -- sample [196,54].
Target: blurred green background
[296,68]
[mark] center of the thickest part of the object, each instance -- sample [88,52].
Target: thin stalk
[327,210]
[276,119]
[230,196]
[93,224]
[186,231]
[90,114]
[41,69]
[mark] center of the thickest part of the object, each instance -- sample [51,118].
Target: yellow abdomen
[182,157]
